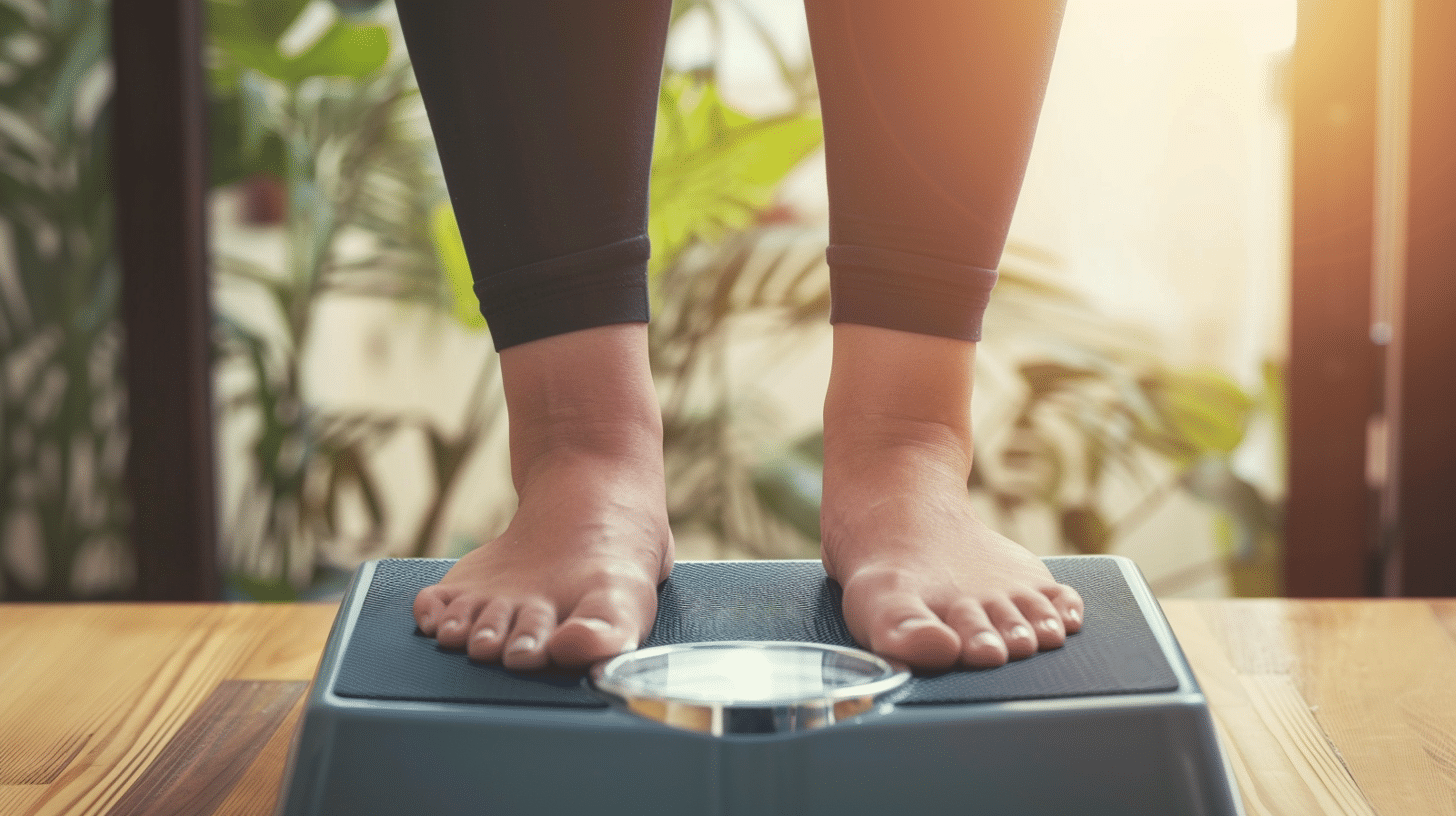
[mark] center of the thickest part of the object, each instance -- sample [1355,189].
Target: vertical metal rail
[160,185]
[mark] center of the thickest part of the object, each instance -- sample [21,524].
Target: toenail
[486,634]
[525,643]
[1074,616]
[596,623]
[988,639]
[911,623]
[1019,632]
[1052,626]
[450,627]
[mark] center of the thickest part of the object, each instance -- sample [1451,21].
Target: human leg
[929,109]
[543,115]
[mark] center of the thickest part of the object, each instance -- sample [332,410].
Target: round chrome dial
[749,687]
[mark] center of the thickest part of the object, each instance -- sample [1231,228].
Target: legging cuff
[597,287]
[906,292]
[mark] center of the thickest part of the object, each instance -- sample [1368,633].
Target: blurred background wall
[1129,391]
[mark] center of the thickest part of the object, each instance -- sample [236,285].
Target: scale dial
[749,687]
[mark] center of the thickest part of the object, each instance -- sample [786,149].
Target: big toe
[604,624]
[899,626]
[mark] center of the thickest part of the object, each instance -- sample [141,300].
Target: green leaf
[346,50]
[258,24]
[86,51]
[445,234]
[1252,518]
[249,37]
[1202,411]
[273,18]
[714,168]
[234,28]
[11,19]
[357,7]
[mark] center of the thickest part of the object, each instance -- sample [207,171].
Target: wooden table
[1326,707]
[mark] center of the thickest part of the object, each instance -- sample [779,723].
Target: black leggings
[543,112]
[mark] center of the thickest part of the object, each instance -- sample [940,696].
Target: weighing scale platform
[1112,723]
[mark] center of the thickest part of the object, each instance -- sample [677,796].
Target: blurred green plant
[325,123]
[1091,415]
[337,126]
[1097,406]
[724,248]
[1094,408]
[62,434]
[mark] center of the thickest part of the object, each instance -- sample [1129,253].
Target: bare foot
[925,581]
[572,580]
[574,577]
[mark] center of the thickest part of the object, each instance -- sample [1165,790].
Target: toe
[901,627]
[981,646]
[1069,607]
[1045,620]
[430,603]
[525,647]
[604,624]
[488,636]
[1015,630]
[458,620]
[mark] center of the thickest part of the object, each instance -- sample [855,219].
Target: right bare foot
[574,577]
[572,580]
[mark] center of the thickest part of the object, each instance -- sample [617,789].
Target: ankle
[583,399]
[898,406]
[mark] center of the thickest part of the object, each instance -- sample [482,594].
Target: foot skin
[574,577]
[925,581]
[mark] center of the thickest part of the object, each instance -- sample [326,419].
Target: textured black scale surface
[386,658]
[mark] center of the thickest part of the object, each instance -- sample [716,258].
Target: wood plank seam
[197,769]
[167,712]
[125,745]
[1289,717]
[140,720]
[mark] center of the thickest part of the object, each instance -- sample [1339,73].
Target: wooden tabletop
[1326,707]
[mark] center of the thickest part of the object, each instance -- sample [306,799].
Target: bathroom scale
[750,698]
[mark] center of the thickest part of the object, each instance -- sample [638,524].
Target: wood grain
[19,798]
[207,756]
[1272,782]
[295,639]
[1324,707]
[1383,690]
[1359,698]
[126,678]
[256,793]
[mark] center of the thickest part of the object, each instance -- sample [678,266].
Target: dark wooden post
[1424,538]
[1333,377]
[161,181]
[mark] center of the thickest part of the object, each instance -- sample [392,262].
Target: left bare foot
[925,581]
